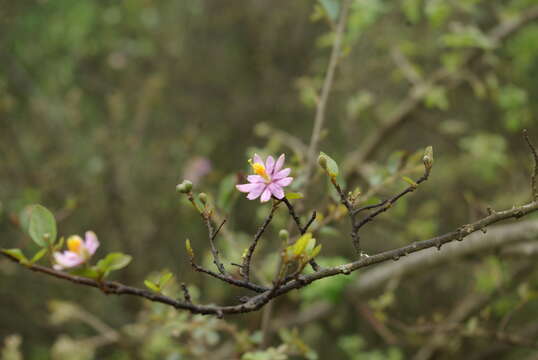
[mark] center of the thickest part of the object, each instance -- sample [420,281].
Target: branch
[315,266]
[245,268]
[496,237]
[395,254]
[534,175]
[212,235]
[256,302]
[230,280]
[326,89]
[387,204]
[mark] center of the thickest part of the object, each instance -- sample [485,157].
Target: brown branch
[315,266]
[212,235]
[398,253]
[326,89]
[506,236]
[256,302]
[388,203]
[383,206]
[245,268]
[230,280]
[186,294]
[534,175]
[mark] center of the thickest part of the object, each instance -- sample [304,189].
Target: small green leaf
[17,254]
[165,278]
[152,286]
[113,261]
[90,272]
[188,247]
[409,181]
[300,244]
[310,245]
[24,218]
[42,226]
[315,252]
[39,255]
[293,196]
[332,166]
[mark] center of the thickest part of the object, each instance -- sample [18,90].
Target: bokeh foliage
[106,106]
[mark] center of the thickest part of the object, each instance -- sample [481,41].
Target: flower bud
[322,161]
[203,198]
[284,235]
[185,187]
[428,158]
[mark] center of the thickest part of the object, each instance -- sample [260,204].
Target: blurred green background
[105,106]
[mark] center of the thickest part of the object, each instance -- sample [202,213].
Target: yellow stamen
[74,244]
[259,169]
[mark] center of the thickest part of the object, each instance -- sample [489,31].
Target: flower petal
[269,164]
[279,164]
[67,259]
[282,174]
[246,187]
[284,182]
[255,179]
[276,190]
[257,159]
[256,192]
[266,195]
[91,242]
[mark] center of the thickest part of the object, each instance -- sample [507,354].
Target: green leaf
[89,272]
[42,226]
[332,8]
[409,181]
[165,278]
[24,218]
[113,261]
[315,252]
[152,286]
[332,166]
[293,196]
[301,243]
[39,255]
[188,247]
[17,254]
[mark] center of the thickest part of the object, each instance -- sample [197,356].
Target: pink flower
[79,251]
[269,180]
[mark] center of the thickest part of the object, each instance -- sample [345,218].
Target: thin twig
[214,250]
[245,268]
[326,89]
[312,218]
[186,294]
[315,266]
[534,176]
[230,280]
[388,204]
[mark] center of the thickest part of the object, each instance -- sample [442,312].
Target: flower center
[74,244]
[259,169]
